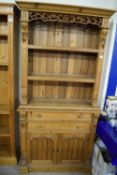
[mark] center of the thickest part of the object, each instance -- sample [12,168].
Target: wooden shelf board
[4,110]
[60,104]
[4,135]
[4,35]
[1,64]
[62,78]
[4,132]
[61,49]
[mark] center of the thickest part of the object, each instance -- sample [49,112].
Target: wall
[109,71]
[103,4]
[112,82]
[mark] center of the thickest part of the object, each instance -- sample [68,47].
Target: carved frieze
[65,18]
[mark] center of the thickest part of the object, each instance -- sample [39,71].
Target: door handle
[59,150]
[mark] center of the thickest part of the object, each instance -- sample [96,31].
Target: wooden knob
[59,150]
[79,116]
[39,115]
[3,57]
[39,126]
[55,149]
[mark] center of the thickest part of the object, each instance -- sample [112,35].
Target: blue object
[108,135]
[112,82]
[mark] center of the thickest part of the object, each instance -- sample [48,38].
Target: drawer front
[52,116]
[80,127]
[3,52]
[3,28]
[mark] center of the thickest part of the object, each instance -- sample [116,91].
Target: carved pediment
[65,18]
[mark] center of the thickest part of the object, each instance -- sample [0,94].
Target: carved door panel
[74,147]
[41,147]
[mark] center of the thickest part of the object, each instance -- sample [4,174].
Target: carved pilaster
[102,40]
[94,121]
[24,16]
[23,128]
[24,31]
[105,23]
[103,34]
[24,26]
[24,55]
[23,120]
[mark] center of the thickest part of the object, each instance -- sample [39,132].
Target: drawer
[3,53]
[3,28]
[54,116]
[81,127]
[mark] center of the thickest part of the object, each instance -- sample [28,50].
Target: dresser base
[8,161]
[63,167]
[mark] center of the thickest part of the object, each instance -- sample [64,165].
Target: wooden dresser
[8,82]
[62,54]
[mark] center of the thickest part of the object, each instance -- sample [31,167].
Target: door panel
[42,147]
[74,147]
[58,148]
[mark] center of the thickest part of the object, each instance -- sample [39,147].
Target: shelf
[58,104]
[3,35]
[3,65]
[62,78]
[4,132]
[4,110]
[59,49]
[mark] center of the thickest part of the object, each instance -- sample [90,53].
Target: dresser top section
[69,9]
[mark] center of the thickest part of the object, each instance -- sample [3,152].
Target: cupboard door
[41,147]
[74,148]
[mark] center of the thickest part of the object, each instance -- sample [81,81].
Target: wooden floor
[14,170]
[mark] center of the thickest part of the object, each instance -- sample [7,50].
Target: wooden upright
[8,82]
[62,55]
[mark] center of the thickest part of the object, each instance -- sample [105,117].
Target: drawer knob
[59,150]
[39,126]
[3,58]
[55,149]
[79,116]
[77,127]
[39,115]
